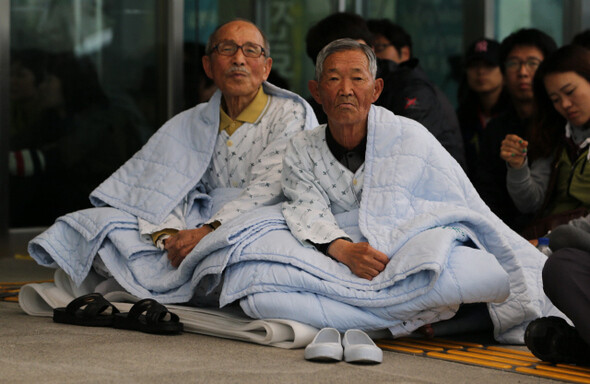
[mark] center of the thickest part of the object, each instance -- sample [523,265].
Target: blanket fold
[446,248]
[171,163]
[39,299]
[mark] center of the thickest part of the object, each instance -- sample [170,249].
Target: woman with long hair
[548,174]
[558,181]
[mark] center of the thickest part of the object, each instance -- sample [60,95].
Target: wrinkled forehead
[352,58]
[239,31]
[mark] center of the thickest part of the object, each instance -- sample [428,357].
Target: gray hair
[341,45]
[212,38]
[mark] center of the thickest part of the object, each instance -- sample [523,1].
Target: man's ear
[405,53]
[378,89]
[267,67]
[313,87]
[207,66]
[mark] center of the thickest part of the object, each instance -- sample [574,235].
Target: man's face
[483,77]
[385,50]
[238,75]
[519,69]
[346,89]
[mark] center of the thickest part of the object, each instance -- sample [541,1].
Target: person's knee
[548,275]
[559,269]
[558,237]
[563,236]
[553,271]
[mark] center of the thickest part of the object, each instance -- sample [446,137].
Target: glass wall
[83,96]
[285,23]
[546,15]
[89,81]
[436,28]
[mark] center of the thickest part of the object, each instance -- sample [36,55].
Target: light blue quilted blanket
[446,249]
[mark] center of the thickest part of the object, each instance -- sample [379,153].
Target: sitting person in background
[481,96]
[563,83]
[574,234]
[565,281]
[393,44]
[582,38]
[390,41]
[552,178]
[520,55]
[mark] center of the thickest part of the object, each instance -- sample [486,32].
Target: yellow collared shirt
[249,115]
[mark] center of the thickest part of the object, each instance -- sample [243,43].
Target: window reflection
[66,135]
[120,43]
[79,107]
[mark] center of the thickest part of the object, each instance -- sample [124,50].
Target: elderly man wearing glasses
[254,122]
[202,169]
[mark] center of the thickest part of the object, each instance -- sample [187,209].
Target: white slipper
[359,348]
[326,346]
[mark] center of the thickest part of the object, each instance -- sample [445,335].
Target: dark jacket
[490,179]
[472,127]
[408,92]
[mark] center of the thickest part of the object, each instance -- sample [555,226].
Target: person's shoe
[553,339]
[326,346]
[359,348]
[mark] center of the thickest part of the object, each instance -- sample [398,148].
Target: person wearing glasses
[254,122]
[204,167]
[390,41]
[521,53]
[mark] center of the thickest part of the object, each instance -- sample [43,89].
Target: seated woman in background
[562,92]
[552,178]
[565,82]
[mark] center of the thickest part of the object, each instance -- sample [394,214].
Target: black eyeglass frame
[514,65]
[236,47]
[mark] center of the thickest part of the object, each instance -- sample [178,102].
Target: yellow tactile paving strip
[487,356]
[9,291]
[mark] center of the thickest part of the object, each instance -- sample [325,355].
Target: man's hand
[514,150]
[362,259]
[180,244]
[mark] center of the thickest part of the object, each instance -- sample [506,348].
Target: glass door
[87,88]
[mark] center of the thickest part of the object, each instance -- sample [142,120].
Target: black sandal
[149,316]
[91,310]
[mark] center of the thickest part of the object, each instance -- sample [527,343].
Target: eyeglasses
[229,48]
[381,47]
[515,64]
